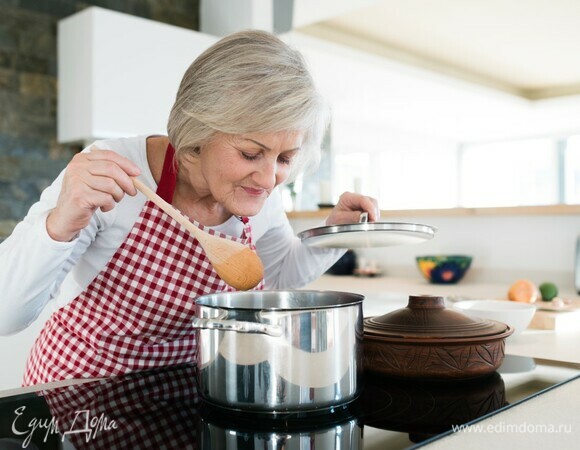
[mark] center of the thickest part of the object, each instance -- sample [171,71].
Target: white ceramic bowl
[515,314]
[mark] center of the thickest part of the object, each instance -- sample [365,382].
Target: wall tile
[6,57]
[37,84]
[10,168]
[8,35]
[28,63]
[9,80]
[36,126]
[6,227]
[23,146]
[37,39]
[59,8]
[8,3]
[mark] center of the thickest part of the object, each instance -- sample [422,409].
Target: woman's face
[241,171]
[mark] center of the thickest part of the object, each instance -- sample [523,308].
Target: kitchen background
[453,146]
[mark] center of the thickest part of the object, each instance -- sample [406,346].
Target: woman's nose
[267,174]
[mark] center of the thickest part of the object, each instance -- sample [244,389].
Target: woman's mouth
[255,192]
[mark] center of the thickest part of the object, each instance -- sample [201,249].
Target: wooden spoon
[236,264]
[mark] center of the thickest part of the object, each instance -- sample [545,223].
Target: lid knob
[426,302]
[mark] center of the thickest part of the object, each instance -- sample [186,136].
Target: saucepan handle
[237,326]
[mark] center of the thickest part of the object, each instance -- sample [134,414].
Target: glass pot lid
[366,234]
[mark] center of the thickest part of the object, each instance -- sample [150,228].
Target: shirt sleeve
[33,265]
[288,263]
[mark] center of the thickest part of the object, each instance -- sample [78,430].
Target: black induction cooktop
[161,410]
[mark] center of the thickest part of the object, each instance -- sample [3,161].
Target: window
[418,178]
[410,173]
[401,171]
[509,173]
[571,170]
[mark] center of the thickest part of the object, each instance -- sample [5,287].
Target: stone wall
[30,157]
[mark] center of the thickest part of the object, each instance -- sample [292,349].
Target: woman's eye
[283,160]
[250,156]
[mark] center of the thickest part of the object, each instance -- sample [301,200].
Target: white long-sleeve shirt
[36,270]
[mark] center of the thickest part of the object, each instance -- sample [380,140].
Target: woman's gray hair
[249,82]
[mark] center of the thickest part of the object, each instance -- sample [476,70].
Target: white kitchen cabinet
[118,74]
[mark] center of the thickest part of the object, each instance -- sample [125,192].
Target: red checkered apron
[136,314]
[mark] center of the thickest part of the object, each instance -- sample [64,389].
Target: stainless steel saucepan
[279,351]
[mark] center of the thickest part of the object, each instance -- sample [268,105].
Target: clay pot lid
[425,318]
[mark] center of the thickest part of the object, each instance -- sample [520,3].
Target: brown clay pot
[427,340]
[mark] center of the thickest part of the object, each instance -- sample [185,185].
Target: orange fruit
[523,291]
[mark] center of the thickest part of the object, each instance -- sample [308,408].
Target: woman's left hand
[349,208]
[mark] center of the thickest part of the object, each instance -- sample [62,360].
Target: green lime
[548,291]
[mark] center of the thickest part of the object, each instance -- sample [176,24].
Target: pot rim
[279,300]
[475,340]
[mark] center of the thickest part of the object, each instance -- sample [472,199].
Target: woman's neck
[191,200]
[156,149]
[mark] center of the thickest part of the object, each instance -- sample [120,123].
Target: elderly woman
[123,276]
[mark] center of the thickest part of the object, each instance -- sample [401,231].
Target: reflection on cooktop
[161,410]
[426,409]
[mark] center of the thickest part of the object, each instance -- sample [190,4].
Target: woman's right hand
[92,180]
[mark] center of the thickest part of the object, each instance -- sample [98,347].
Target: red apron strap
[168,180]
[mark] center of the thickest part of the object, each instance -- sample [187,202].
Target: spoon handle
[166,207]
